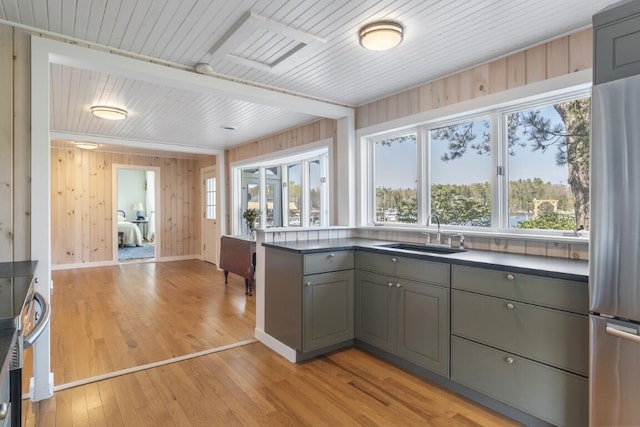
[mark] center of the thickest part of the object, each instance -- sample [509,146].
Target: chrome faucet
[435,217]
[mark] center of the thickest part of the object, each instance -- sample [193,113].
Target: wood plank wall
[15,143]
[306,134]
[558,57]
[82,209]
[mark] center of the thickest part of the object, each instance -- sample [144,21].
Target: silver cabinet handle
[398,285]
[37,280]
[510,276]
[308,283]
[510,306]
[4,410]
[331,255]
[390,284]
[42,321]
[509,360]
[612,330]
[394,259]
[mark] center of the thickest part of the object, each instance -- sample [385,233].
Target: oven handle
[42,321]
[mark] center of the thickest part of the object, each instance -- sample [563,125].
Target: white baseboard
[82,265]
[275,345]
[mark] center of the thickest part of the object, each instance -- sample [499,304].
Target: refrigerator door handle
[618,331]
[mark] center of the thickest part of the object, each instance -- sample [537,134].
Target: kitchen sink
[413,247]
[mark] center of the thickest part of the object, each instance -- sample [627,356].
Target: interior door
[209,229]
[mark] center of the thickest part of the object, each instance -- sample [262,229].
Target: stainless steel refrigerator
[614,276]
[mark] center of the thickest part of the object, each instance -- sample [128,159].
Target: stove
[24,314]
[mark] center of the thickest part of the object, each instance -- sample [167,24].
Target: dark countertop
[560,268]
[17,268]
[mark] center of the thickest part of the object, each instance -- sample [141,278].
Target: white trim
[133,143]
[134,369]
[275,158]
[275,345]
[203,208]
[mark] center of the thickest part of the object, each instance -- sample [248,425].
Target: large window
[290,192]
[515,169]
[460,170]
[395,178]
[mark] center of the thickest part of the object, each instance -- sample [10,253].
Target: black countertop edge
[17,268]
[559,268]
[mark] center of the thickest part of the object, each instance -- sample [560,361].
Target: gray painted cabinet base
[404,317]
[548,393]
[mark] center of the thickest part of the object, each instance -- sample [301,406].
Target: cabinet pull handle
[398,285]
[37,280]
[331,255]
[4,410]
[510,276]
[509,360]
[510,306]
[394,259]
[390,284]
[308,283]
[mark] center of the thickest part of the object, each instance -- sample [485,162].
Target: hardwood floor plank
[113,318]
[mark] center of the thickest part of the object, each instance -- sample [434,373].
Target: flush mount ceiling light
[108,113]
[382,35]
[86,145]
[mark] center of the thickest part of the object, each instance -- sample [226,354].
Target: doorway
[136,196]
[210,215]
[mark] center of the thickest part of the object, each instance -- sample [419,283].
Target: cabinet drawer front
[557,293]
[436,273]
[556,396]
[322,262]
[550,336]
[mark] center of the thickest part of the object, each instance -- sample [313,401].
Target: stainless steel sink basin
[413,247]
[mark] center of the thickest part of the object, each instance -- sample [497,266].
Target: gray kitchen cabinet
[523,340]
[309,298]
[616,37]
[551,394]
[401,316]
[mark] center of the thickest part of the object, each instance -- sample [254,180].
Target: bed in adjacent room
[131,235]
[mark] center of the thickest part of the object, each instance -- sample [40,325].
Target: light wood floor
[117,317]
[106,319]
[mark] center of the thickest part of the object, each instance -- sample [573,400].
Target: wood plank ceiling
[441,37]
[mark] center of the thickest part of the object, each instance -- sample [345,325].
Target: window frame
[320,150]
[497,115]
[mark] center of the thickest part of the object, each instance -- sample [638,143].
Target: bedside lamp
[139,208]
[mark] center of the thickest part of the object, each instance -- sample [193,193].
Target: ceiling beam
[105,62]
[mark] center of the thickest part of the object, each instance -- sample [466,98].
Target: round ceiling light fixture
[87,145]
[109,113]
[382,35]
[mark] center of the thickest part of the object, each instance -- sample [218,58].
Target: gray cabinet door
[375,316]
[423,325]
[327,309]
[616,40]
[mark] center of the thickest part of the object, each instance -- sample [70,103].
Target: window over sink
[516,168]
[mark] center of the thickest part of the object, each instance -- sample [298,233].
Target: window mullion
[424,181]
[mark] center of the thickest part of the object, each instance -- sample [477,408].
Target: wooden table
[238,256]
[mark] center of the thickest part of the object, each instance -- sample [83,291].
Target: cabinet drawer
[436,273]
[556,293]
[553,395]
[323,262]
[550,336]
